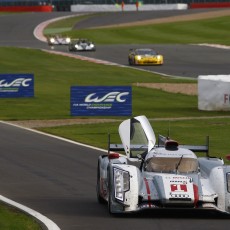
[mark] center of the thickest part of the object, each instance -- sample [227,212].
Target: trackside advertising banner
[101,100]
[16,85]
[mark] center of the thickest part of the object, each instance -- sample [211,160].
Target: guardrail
[128,7]
[26,8]
[18,6]
[209,5]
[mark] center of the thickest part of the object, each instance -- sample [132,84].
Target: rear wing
[161,143]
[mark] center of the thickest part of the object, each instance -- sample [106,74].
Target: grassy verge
[54,75]
[52,99]
[66,25]
[184,131]
[214,30]
[10,218]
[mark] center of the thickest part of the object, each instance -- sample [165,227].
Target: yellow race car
[144,56]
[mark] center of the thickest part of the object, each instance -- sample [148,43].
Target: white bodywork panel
[125,133]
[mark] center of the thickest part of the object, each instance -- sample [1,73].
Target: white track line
[53,136]
[38,31]
[47,222]
[80,57]
[215,46]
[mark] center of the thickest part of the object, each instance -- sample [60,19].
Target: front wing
[148,60]
[84,48]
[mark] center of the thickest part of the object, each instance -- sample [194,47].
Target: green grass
[54,75]
[184,131]
[214,30]
[12,219]
[65,25]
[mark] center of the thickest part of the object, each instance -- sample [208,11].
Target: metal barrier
[65,5]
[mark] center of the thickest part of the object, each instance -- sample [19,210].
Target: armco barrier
[26,8]
[126,7]
[209,5]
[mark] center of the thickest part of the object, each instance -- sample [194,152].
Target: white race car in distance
[58,40]
[161,175]
[81,45]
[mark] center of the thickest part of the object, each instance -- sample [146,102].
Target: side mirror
[114,156]
[228,157]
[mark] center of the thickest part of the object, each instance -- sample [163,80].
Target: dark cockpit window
[146,52]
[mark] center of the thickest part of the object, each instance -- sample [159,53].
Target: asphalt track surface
[58,178]
[179,60]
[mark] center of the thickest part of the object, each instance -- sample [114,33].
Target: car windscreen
[169,165]
[146,52]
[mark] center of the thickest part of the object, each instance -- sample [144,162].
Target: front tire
[130,62]
[110,196]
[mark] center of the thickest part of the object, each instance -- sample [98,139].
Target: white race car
[160,175]
[81,45]
[58,40]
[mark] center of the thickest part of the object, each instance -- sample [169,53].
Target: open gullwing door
[137,136]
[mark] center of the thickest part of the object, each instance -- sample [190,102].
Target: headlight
[228,181]
[138,57]
[91,45]
[52,40]
[158,57]
[68,40]
[121,183]
[76,46]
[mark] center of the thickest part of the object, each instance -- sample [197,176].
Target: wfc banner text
[101,100]
[16,85]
